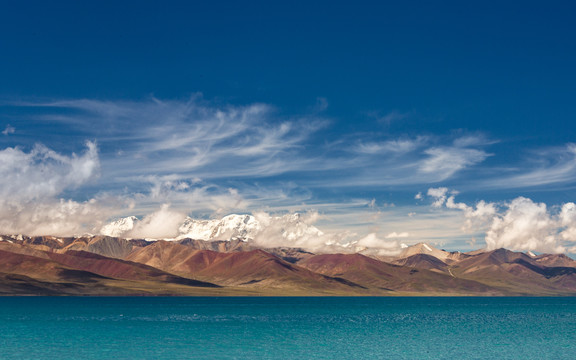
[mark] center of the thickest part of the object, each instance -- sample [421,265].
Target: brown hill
[106,246]
[255,268]
[119,269]
[105,265]
[25,270]
[370,272]
[423,261]
[217,245]
[517,273]
[426,249]
[555,260]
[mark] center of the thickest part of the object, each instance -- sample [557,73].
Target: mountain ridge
[109,265]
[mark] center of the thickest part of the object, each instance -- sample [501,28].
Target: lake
[287,328]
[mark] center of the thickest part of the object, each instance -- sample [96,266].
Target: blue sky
[346,109]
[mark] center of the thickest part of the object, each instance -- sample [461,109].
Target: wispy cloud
[9,130]
[444,162]
[543,167]
[395,146]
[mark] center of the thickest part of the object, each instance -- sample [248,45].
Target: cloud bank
[520,224]
[30,186]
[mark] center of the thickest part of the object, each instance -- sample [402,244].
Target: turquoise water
[287,328]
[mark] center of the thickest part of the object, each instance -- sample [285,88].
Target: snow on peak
[531,254]
[229,227]
[119,227]
[290,227]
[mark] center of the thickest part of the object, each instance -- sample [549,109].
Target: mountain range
[106,265]
[234,226]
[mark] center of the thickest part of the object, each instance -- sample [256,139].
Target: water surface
[287,328]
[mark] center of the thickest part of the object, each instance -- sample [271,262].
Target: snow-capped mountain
[247,227]
[291,226]
[229,227]
[119,227]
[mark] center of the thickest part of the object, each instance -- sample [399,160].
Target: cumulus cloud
[395,235]
[371,244]
[161,224]
[568,222]
[52,217]
[520,224]
[524,225]
[296,230]
[30,186]
[439,194]
[43,172]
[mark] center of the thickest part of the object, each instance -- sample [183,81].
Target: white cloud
[372,245]
[444,162]
[396,146]
[543,167]
[43,173]
[295,230]
[31,184]
[8,130]
[162,224]
[568,222]
[52,217]
[520,224]
[525,225]
[395,235]
[193,138]
[439,194]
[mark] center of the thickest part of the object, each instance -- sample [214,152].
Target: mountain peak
[234,226]
[119,227]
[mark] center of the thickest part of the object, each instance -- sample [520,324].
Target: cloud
[162,224]
[43,172]
[190,138]
[444,162]
[296,230]
[542,168]
[372,245]
[520,224]
[395,235]
[30,189]
[439,194]
[568,223]
[388,118]
[52,217]
[396,146]
[208,159]
[524,225]
[8,130]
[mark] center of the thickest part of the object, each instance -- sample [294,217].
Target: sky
[448,122]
